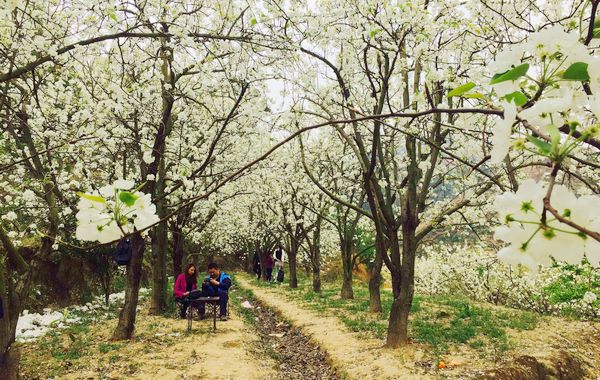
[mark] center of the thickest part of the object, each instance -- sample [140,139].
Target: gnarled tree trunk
[177,255]
[375,276]
[346,248]
[316,254]
[124,329]
[158,303]
[293,263]
[403,274]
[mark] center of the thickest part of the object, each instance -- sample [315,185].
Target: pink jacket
[180,286]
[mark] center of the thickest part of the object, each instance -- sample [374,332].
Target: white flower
[111,232]
[590,297]
[540,113]
[551,40]
[506,59]
[28,196]
[594,73]
[530,242]
[147,157]
[10,216]
[594,103]
[87,232]
[502,132]
[145,220]
[108,219]
[506,87]
[123,184]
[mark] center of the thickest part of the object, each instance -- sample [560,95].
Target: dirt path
[299,358]
[161,349]
[357,357]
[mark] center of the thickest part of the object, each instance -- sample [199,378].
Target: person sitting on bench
[185,283]
[216,285]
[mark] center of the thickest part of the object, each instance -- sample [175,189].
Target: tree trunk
[397,334]
[177,254]
[124,329]
[316,255]
[158,303]
[292,260]
[11,301]
[404,275]
[375,276]
[346,246]
[380,250]
[9,363]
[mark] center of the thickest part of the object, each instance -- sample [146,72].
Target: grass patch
[438,321]
[107,347]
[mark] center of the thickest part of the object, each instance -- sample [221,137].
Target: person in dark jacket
[269,263]
[217,284]
[185,283]
[256,265]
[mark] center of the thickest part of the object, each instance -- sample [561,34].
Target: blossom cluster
[116,210]
[560,289]
[532,242]
[552,64]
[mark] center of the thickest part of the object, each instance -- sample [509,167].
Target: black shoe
[223,318]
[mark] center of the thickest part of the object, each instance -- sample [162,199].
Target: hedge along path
[355,356]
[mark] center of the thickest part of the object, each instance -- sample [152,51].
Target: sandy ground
[162,350]
[361,357]
[356,356]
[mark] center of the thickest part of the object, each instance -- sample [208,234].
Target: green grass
[438,321]
[107,347]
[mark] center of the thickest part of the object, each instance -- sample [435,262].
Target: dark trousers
[223,298]
[257,271]
[269,274]
[184,304]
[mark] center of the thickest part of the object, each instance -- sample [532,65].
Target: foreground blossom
[113,213]
[532,243]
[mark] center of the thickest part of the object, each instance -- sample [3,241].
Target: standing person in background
[256,265]
[279,264]
[185,283]
[269,262]
[279,258]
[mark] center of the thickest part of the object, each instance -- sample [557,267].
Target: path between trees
[161,349]
[354,356]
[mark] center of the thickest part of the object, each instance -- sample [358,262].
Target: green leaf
[475,95]
[596,33]
[512,74]
[461,90]
[374,32]
[542,145]
[127,197]
[554,136]
[93,198]
[577,71]
[112,14]
[517,97]
[253,22]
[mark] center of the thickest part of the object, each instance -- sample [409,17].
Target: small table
[211,302]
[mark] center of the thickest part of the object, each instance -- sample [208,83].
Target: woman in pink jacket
[184,284]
